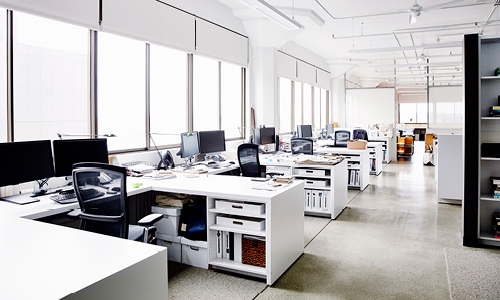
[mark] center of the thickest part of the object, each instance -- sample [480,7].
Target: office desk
[284,235]
[325,186]
[358,165]
[46,261]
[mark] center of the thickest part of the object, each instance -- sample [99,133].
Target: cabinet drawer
[315,183]
[279,169]
[310,172]
[240,207]
[242,223]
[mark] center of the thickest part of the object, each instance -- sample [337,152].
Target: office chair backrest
[342,137]
[248,158]
[103,211]
[301,145]
[360,134]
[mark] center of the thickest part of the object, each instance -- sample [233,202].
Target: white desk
[358,162]
[329,199]
[284,235]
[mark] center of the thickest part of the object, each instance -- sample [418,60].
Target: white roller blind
[306,73]
[220,43]
[78,12]
[150,21]
[285,66]
[323,79]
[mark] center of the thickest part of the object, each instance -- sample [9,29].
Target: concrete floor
[387,244]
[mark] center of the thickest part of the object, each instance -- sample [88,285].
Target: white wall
[369,106]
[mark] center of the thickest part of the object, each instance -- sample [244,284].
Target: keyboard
[70,197]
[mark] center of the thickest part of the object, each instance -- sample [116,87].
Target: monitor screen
[26,161]
[68,152]
[302,146]
[212,141]
[264,136]
[190,144]
[304,131]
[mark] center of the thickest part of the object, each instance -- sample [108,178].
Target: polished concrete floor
[387,244]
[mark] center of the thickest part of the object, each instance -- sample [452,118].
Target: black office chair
[103,206]
[360,134]
[248,158]
[342,137]
[301,146]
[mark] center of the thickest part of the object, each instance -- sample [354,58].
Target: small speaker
[277,142]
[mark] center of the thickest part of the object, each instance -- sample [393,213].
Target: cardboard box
[356,144]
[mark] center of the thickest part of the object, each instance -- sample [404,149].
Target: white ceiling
[351,27]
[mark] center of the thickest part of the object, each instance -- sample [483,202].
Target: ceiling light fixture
[272,13]
[395,49]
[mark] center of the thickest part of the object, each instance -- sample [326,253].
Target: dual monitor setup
[43,159]
[202,142]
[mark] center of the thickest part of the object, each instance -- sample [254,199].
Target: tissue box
[356,145]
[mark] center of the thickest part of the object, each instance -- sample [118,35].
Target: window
[297,103]
[121,91]
[316,108]
[324,108]
[231,100]
[285,106]
[50,78]
[168,94]
[3,78]
[307,105]
[205,93]
[413,112]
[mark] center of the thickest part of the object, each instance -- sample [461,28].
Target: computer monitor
[26,161]
[304,131]
[264,136]
[68,152]
[190,144]
[302,146]
[213,141]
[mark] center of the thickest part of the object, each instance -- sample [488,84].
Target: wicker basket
[253,252]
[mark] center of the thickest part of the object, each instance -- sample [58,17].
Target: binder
[326,201]
[320,200]
[219,243]
[237,246]
[307,199]
[231,245]
[314,199]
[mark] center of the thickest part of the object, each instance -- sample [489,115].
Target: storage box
[316,183]
[169,225]
[240,207]
[253,251]
[242,222]
[356,144]
[310,172]
[279,169]
[194,253]
[173,244]
[490,150]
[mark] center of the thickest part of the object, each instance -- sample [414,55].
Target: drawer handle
[309,171]
[194,248]
[237,223]
[237,206]
[310,182]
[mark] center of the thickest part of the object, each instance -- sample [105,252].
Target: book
[495,180]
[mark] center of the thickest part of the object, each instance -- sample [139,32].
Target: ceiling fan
[416,9]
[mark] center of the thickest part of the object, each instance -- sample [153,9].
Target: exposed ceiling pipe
[391,13]
[495,5]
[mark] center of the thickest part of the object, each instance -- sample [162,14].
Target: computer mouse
[116,189]
[232,162]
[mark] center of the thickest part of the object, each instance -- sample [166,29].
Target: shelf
[324,188]
[237,213]
[225,263]
[311,176]
[489,197]
[490,158]
[490,77]
[490,118]
[488,235]
[238,230]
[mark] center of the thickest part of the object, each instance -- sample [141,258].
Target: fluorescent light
[272,13]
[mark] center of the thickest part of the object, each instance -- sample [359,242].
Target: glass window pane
[307,107]
[421,112]
[205,93]
[168,94]
[231,100]
[317,108]
[3,78]
[285,103]
[407,112]
[121,91]
[50,78]
[297,102]
[324,108]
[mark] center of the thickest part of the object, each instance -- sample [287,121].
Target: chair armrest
[150,219]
